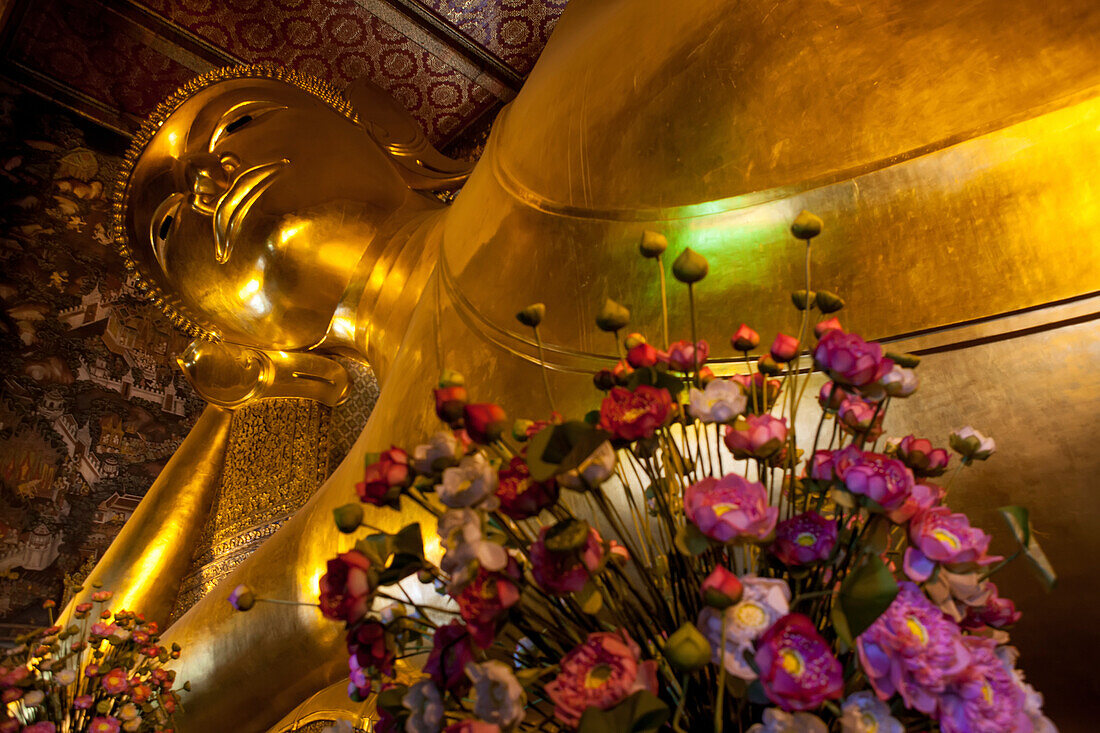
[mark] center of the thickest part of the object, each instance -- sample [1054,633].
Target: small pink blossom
[682,355]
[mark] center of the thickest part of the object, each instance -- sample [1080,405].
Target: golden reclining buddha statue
[950,147]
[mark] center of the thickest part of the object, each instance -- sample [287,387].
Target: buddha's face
[253,204]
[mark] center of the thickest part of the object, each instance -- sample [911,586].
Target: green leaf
[390,699]
[757,695]
[1019,522]
[691,541]
[865,594]
[840,624]
[561,448]
[642,712]
[589,598]
[406,548]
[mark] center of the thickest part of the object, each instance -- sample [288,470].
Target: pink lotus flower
[996,612]
[383,480]
[939,536]
[631,415]
[921,457]
[105,725]
[521,497]
[721,588]
[922,498]
[115,681]
[643,355]
[880,478]
[850,360]
[820,466]
[804,538]
[682,355]
[831,397]
[730,508]
[984,696]
[756,436]
[784,348]
[601,672]
[346,587]
[912,649]
[797,666]
[860,418]
[745,339]
[83,702]
[565,572]
[766,390]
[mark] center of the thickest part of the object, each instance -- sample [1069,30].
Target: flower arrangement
[103,673]
[677,557]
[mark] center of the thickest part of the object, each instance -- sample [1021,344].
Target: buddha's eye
[163,223]
[240,116]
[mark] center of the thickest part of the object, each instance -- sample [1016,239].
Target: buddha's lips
[234,205]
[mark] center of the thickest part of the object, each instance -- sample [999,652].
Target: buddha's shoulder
[650,103]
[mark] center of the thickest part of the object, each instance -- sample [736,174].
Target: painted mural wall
[91,404]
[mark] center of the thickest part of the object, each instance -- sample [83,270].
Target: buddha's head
[251,196]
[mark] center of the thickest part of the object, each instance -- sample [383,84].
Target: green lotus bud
[806,225]
[690,267]
[828,302]
[568,535]
[520,428]
[451,378]
[348,517]
[612,316]
[907,361]
[532,315]
[653,244]
[687,649]
[767,365]
[803,300]
[425,576]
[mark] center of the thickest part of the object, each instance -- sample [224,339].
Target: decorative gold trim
[175,311]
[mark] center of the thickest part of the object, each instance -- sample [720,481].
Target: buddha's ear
[422,166]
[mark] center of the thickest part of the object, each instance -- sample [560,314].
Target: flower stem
[542,364]
[664,299]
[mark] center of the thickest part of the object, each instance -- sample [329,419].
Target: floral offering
[103,673]
[679,557]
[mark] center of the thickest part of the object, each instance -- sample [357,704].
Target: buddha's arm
[144,565]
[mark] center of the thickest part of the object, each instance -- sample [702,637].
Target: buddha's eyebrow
[238,116]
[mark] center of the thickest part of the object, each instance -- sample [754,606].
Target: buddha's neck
[374,312]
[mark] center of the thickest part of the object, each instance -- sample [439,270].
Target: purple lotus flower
[820,466]
[804,538]
[938,536]
[731,507]
[880,478]
[984,698]
[850,360]
[452,650]
[912,649]
[797,666]
[996,611]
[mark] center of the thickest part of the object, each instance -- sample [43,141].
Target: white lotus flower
[500,697]
[863,712]
[719,402]
[473,482]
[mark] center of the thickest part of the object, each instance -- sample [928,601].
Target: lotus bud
[485,422]
[806,225]
[532,315]
[828,302]
[690,267]
[767,365]
[451,378]
[722,588]
[633,339]
[604,379]
[823,327]
[784,348]
[653,243]
[745,339]
[348,517]
[568,535]
[803,299]
[687,649]
[520,428]
[425,576]
[612,317]
[642,355]
[972,445]
[242,598]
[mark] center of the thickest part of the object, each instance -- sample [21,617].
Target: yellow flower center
[633,414]
[793,662]
[870,723]
[750,615]
[720,509]
[916,628]
[987,693]
[806,539]
[947,537]
[597,676]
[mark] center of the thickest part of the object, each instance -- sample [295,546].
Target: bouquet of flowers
[678,557]
[103,673]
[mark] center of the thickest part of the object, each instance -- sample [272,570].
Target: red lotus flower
[370,648]
[643,355]
[383,480]
[115,682]
[346,587]
[745,339]
[486,600]
[685,357]
[797,666]
[632,415]
[520,497]
[823,327]
[784,348]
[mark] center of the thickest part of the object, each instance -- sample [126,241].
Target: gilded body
[950,152]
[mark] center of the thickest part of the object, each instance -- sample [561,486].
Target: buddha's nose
[209,177]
